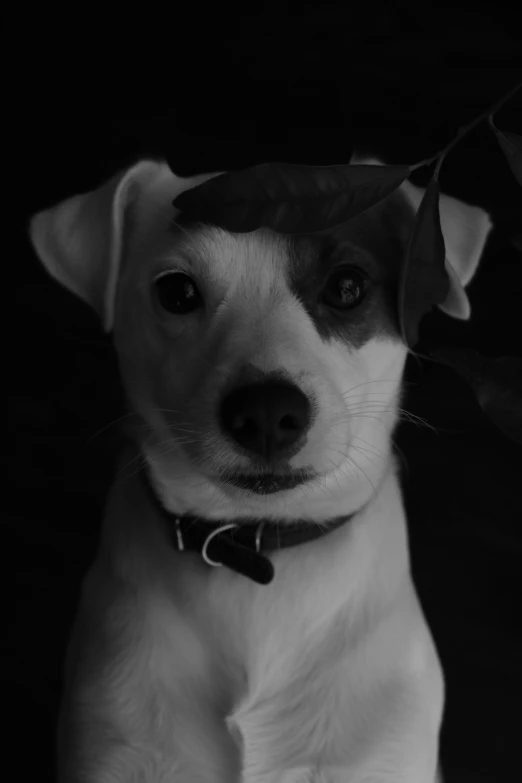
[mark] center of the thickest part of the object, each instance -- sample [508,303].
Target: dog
[250,615]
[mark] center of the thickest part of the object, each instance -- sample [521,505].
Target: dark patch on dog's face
[374,243]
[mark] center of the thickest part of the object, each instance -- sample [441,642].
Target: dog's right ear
[465,229]
[80,241]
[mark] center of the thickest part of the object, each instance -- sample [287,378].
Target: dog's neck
[242,545]
[246,544]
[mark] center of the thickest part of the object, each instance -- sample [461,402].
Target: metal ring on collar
[207,542]
[179,536]
[259,533]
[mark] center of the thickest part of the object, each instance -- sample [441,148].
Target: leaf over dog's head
[81,240]
[289,198]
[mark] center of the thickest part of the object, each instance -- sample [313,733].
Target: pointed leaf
[511,145]
[497,384]
[288,198]
[424,280]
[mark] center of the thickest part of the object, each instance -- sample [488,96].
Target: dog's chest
[299,670]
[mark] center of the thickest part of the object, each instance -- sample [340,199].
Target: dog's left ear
[80,241]
[465,230]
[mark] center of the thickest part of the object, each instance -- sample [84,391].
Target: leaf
[497,384]
[511,145]
[289,198]
[424,280]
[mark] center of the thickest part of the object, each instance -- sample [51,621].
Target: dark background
[300,82]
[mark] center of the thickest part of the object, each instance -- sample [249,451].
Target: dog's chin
[268,483]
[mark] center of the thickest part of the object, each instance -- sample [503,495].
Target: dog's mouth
[268,483]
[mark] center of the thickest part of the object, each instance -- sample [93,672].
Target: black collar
[239,544]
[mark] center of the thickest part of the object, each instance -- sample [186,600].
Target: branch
[439,156]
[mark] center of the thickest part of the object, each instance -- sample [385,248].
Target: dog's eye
[345,288]
[177,292]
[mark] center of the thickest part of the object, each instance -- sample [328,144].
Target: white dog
[251,614]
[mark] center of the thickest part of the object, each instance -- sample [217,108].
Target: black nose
[267,419]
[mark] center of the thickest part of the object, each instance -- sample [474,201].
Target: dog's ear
[465,230]
[80,241]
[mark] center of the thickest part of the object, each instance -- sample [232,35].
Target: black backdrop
[301,82]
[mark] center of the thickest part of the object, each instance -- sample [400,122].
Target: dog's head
[264,369]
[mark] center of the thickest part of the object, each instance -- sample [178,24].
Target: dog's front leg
[132,764]
[194,750]
[125,720]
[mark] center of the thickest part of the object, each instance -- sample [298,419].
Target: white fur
[179,672]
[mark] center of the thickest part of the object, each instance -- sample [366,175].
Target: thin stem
[439,156]
[496,106]
[426,162]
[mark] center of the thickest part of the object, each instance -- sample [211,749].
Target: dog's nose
[267,419]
